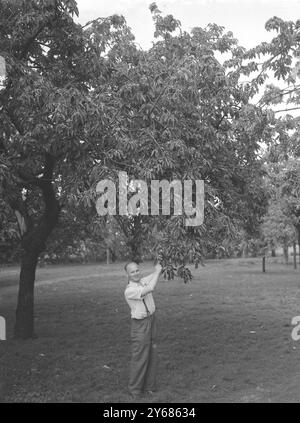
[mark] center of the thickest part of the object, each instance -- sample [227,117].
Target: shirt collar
[136,283]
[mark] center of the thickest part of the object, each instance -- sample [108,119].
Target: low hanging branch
[287,110]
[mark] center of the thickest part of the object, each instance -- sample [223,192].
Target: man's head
[133,271]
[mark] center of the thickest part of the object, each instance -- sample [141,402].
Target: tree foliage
[82,103]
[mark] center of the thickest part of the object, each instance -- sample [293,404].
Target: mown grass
[225,337]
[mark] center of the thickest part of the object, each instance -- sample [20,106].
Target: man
[138,295]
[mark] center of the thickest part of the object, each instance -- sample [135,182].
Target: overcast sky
[245,18]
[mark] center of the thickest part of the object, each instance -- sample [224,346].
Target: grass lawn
[225,337]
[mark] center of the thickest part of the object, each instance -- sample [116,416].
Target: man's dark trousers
[143,355]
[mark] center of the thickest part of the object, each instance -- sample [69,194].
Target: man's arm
[146,279]
[153,281]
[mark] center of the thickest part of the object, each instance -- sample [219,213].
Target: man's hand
[158,268]
[149,287]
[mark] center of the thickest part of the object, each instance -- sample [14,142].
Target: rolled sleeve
[146,279]
[134,293]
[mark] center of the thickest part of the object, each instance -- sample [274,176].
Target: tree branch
[15,121]
[286,110]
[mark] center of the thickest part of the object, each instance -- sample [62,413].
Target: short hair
[128,263]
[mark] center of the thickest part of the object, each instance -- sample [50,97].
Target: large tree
[184,115]
[284,182]
[54,128]
[82,103]
[277,229]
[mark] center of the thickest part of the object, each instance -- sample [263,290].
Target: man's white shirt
[134,298]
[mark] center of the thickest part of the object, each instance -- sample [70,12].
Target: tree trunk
[286,253]
[246,251]
[264,264]
[24,327]
[135,254]
[294,255]
[107,256]
[33,243]
[273,252]
[298,233]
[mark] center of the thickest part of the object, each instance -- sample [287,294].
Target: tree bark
[294,255]
[24,327]
[107,256]
[286,254]
[298,233]
[246,251]
[135,254]
[33,243]
[273,252]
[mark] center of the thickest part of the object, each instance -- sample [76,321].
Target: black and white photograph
[149,204]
